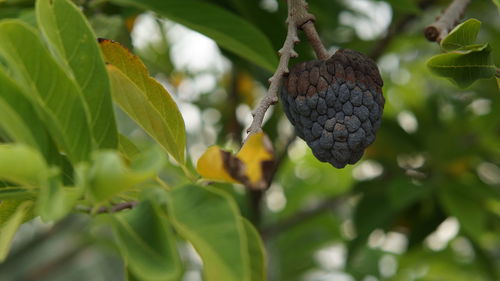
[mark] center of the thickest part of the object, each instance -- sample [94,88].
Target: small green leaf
[147,243]
[462,35]
[210,220]
[109,175]
[464,67]
[22,165]
[227,29]
[256,252]
[10,226]
[144,99]
[55,95]
[78,48]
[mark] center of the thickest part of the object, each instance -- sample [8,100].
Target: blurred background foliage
[423,204]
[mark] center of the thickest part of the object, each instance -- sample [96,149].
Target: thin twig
[284,225]
[115,208]
[298,17]
[447,21]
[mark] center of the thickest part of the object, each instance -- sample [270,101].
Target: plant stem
[298,17]
[447,21]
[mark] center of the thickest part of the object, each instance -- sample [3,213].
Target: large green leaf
[57,96]
[70,35]
[19,118]
[464,66]
[144,99]
[256,252]
[9,226]
[462,35]
[209,219]
[22,165]
[146,242]
[109,174]
[228,30]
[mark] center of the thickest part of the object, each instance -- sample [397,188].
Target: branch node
[446,21]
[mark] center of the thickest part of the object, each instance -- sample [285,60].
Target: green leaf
[466,66]
[109,175]
[57,97]
[228,30]
[16,193]
[256,252]
[78,48]
[22,165]
[146,242]
[19,118]
[209,219]
[144,99]
[9,227]
[462,35]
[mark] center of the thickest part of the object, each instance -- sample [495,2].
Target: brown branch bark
[298,17]
[447,21]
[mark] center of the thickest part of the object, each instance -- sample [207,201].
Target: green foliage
[109,175]
[423,204]
[464,62]
[146,241]
[461,36]
[202,216]
[227,29]
[79,50]
[57,97]
[145,100]
[10,222]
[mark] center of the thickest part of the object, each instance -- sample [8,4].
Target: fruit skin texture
[335,105]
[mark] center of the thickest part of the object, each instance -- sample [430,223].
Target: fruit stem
[315,41]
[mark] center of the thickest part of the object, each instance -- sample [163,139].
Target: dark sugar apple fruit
[335,105]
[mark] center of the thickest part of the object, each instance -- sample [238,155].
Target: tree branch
[327,204]
[447,21]
[298,17]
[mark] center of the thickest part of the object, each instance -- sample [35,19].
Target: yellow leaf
[251,166]
[212,165]
[257,154]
